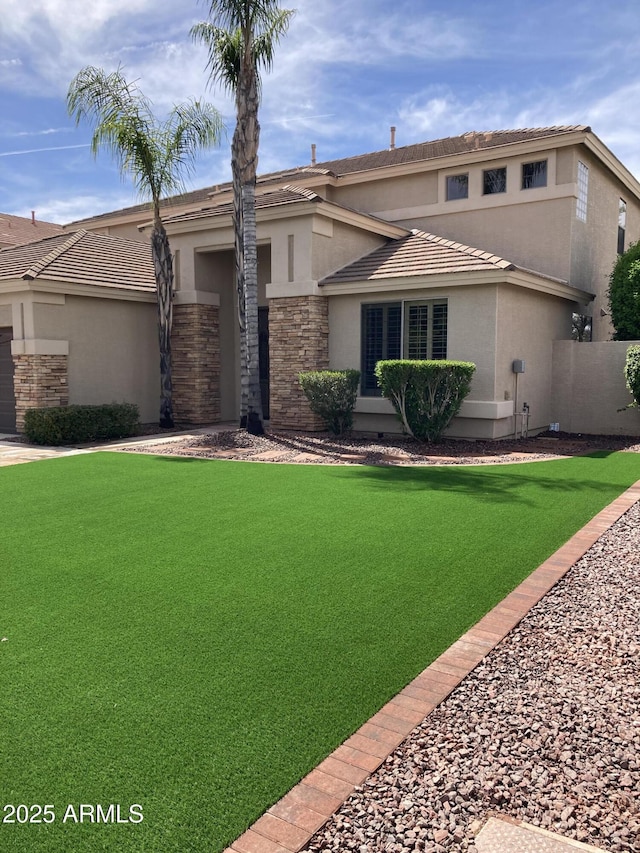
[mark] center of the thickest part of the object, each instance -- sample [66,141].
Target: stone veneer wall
[39,382]
[298,341]
[195,347]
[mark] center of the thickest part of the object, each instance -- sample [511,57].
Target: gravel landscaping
[322,448]
[546,729]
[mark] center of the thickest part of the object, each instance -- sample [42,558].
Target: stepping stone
[307,457]
[269,455]
[507,836]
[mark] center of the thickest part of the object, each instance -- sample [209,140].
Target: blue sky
[347,70]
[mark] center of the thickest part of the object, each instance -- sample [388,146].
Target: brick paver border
[289,824]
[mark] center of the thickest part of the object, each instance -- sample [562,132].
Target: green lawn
[195,636]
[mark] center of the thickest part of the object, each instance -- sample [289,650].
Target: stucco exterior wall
[594,243]
[399,192]
[113,350]
[345,245]
[529,322]
[535,235]
[128,230]
[589,389]
[471,324]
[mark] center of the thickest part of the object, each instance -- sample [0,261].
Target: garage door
[7,400]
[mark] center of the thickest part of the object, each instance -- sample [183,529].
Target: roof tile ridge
[35,270]
[308,194]
[468,250]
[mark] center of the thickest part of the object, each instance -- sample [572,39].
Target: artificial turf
[194,636]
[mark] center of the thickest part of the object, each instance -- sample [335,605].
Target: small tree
[624,295]
[426,395]
[157,156]
[632,373]
[332,396]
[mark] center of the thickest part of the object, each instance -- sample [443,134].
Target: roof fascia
[597,147]
[128,294]
[451,161]
[294,210]
[519,278]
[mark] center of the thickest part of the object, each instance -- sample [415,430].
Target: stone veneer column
[39,381]
[195,348]
[298,341]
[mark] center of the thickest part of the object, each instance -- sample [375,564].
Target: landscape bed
[194,636]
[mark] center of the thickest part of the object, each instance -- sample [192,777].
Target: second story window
[494,181]
[583,191]
[534,175]
[622,224]
[457,187]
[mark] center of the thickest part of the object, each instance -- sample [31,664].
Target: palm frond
[155,156]
[251,15]
[191,127]
[226,47]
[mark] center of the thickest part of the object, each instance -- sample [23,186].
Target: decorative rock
[544,726]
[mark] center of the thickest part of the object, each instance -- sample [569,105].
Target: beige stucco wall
[6,315]
[529,322]
[113,350]
[589,389]
[472,313]
[128,230]
[490,325]
[342,245]
[535,235]
[594,243]
[390,193]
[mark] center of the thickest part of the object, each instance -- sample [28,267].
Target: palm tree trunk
[163,265]
[238,228]
[254,411]
[245,141]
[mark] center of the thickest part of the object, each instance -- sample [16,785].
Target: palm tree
[157,156]
[241,37]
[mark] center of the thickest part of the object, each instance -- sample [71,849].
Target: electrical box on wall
[518,365]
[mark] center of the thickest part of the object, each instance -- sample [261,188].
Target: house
[16,230]
[77,324]
[477,247]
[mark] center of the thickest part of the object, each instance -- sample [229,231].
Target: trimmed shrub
[425,394]
[632,372]
[77,424]
[332,396]
[624,295]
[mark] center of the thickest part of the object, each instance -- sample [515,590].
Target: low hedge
[77,424]
[332,396]
[426,395]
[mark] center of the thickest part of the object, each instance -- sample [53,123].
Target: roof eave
[513,276]
[128,293]
[292,210]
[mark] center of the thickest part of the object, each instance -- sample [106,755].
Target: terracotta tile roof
[16,230]
[418,254]
[466,142]
[81,257]
[285,195]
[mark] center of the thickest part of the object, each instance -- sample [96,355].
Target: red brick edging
[289,824]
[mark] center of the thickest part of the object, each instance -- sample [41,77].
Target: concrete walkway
[16,452]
